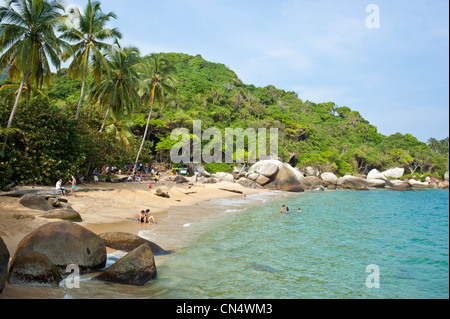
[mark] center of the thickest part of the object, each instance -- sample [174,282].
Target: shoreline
[116,209]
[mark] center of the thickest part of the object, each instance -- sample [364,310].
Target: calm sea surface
[250,250]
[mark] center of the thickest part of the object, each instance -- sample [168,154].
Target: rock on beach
[65,243]
[128,242]
[4,260]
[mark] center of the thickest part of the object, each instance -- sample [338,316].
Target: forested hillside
[324,135]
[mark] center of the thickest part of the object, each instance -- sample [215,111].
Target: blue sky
[396,76]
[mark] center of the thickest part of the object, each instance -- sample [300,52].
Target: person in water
[298,210]
[282,209]
[287,210]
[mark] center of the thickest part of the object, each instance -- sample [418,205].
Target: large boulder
[36,202]
[394,173]
[273,174]
[180,180]
[128,242]
[311,182]
[286,179]
[417,184]
[4,260]
[65,212]
[329,179]
[352,182]
[224,177]
[248,183]
[136,268]
[66,243]
[375,174]
[377,183]
[34,269]
[398,185]
[310,171]
[446,176]
[267,168]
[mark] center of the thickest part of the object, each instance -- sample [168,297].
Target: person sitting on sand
[282,209]
[150,219]
[60,188]
[141,217]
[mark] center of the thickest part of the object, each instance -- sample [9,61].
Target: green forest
[113,106]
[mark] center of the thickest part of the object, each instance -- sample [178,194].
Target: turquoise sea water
[322,252]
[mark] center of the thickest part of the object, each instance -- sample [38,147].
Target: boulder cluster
[47,255]
[276,175]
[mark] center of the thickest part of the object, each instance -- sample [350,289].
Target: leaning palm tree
[118,91]
[158,79]
[28,41]
[88,30]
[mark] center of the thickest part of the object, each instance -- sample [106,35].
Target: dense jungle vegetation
[96,111]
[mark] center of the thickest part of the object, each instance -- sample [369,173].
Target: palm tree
[158,80]
[29,92]
[120,127]
[28,41]
[88,32]
[119,88]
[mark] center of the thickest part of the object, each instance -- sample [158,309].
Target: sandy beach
[116,207]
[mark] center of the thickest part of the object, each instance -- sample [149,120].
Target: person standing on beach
[156,178]
[95,176]
[74,185]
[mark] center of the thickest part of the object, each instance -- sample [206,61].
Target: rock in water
[34,269]
[4,260]
[136,268]
[66,243]
[128,242]
[352,182]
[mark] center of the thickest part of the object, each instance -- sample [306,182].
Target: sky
[388,60]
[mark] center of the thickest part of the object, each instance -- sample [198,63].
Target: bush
[48,147]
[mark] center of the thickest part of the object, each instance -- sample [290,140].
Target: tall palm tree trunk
[145,132]
[79,102]
[106,117]
[13,112]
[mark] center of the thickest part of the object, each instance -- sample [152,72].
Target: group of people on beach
[144,217]
[62,190]
[285,210]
